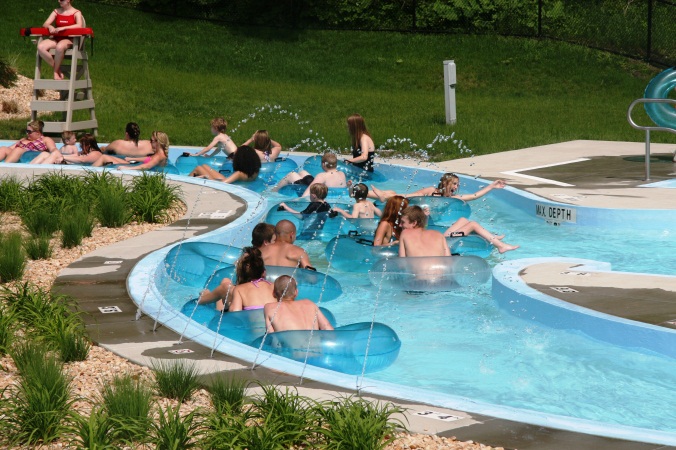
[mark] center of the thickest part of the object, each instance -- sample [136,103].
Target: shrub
[176,379]
[37,407]
[10,193]
[151,197]
[38,248]
[12,257]
[227,394]
[10,107]
[128,402]
[358,423]
[8,74]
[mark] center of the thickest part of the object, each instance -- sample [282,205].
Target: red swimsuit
[63,20]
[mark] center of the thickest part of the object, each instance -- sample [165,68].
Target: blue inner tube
[663,114]
[430,273]
[443,210]
[186,164]
[357,253]
[271,172]
[313,226]
[28,156]
[316,286]
[192,263]
[240,326]
[314,165]
[349,349]
[169,168]
[296,190]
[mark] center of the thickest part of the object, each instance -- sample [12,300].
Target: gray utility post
[449,91]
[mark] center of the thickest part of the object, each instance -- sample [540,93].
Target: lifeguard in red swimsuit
[63,18]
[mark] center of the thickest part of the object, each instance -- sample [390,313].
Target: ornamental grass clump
[127,402]
[7,329]
[76,224]
[12,257]
[171,431]
[39,216]
[38,248]
[176,379]
[10,193]
[288,416]
[227,394]
[112,207]
[36,409]
[358,423]
[151,197]
[93,432]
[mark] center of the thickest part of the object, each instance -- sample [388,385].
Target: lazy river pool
[460,349]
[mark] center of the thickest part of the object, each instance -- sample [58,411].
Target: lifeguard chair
[75,91]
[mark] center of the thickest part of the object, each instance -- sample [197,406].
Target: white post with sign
[449,91]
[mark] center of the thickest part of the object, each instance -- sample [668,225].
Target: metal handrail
[648,129]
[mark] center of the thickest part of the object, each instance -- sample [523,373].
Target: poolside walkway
[600,174]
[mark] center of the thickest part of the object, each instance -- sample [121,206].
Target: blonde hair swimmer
[159,143]
[290,314]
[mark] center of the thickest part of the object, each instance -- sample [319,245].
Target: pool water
[461,345]
[474,349]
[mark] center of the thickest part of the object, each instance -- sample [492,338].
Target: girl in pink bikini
[34,141]
[62,18]
[253,291]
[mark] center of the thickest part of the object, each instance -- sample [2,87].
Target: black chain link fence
[641,29]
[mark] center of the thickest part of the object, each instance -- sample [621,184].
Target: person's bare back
[420,242]
[415,240]
[289,314]
[124,147]
[331,178]
[295,315]
[283,252]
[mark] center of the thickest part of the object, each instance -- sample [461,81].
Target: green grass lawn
[175,75]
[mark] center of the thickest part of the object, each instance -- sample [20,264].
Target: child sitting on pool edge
[318,204]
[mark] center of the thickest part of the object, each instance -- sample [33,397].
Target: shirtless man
[291,314]
[130,145]
[283,252]
[415,240]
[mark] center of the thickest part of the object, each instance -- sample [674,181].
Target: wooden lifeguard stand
[75,91]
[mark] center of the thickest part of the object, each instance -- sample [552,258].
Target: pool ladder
[648,129]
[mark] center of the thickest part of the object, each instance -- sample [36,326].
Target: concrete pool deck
[598,174]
